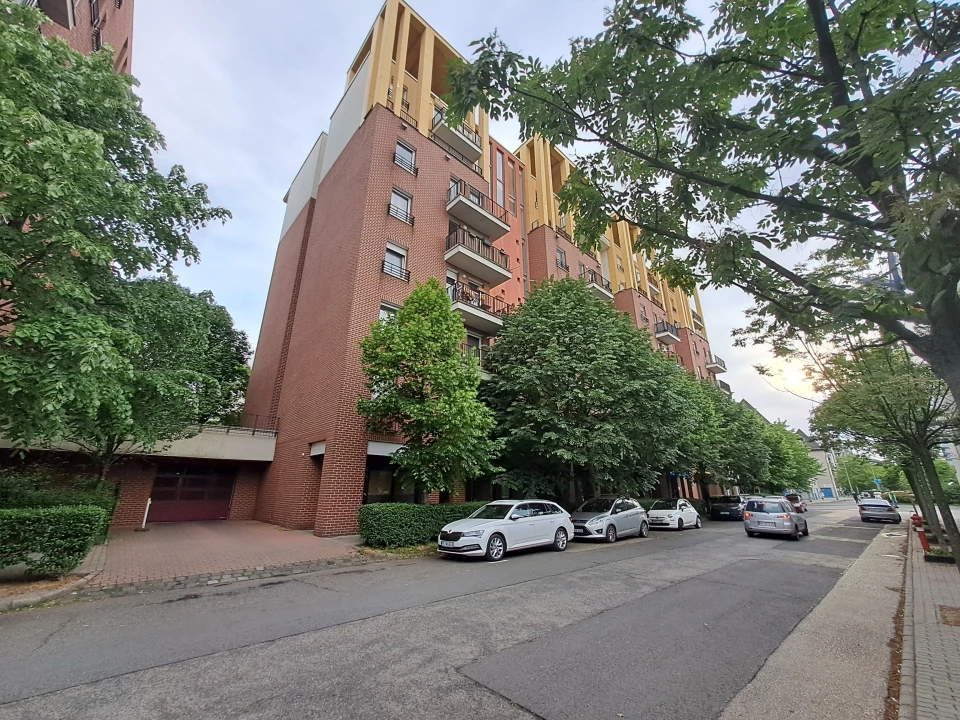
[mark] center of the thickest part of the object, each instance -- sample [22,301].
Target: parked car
[727,507]
[610,517]
[506,525]
[873,510]
[799,504]
[878,495]
[776,516]
[673,513]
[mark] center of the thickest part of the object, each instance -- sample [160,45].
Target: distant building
[824,486]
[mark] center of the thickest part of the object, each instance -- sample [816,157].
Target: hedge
[391,525]
[50,541]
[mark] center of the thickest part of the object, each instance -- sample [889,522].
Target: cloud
[241,90]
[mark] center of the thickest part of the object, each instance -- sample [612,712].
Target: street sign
[878,481]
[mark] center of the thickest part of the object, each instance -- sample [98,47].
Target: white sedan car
[507,525]
[673,514]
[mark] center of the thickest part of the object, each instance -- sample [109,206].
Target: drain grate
[949,615]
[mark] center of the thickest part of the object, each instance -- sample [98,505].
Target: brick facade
[135,478]
[115,26]
[543,242]
[243,504]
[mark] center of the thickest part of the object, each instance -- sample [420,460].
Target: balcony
[478,309]
[667,333]
[60,11]
[697,320]
[396,271]
[461,137]
[480,353]
[473,208]
[472,255]
[716,365]
[724,387]
[598,284]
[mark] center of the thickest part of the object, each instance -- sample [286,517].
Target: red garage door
[191,492]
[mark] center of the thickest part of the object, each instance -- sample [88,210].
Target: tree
[791,467]
[859,473]
[184,365]
[82,209]
[421,383]
[826,129]
[884,400]
[581,399]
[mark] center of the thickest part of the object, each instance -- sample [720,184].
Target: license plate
[724,512]
[579,531]
[761,523]
[447,543]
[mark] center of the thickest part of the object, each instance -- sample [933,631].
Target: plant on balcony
[421,383]
[580,397]
[825,129]
[83,209]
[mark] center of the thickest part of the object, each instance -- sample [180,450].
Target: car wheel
[644,530]
[898,520]
[796,533]
[496,547]
[611,533]
[560,540]
[699,523]
[806,530]
[680,524]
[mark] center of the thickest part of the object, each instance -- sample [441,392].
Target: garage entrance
[191,492]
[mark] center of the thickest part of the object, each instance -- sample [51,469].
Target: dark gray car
[609,518]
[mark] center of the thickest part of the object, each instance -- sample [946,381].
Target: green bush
[51,541]
[391,525]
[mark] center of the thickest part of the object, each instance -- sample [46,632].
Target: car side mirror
[514,517]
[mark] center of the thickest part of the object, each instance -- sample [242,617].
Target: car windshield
[492,512]
[596,505]
[793,498]
[664,505]
[726,500]
[764,506]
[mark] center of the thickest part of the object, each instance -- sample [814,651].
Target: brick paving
[930,676]
[172,554]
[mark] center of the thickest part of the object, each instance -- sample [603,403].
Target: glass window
[664,505]
[501,201]
[387,312]
[405,157]
[595,505]
[395,262]
[524,510]
[494,511]
[400,205]
[561,258]
[512,186]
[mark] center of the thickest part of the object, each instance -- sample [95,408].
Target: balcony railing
[405,164]
[562,265]
[643,292]
[716,363]
[404,114]
[447,148]
[484,202]
[476,245]
[399,213]
[396,271]
[657,302]
[460,293]
[592,276]
[725,387]
[468,132]
[696,316]
[665,327]
[479,352]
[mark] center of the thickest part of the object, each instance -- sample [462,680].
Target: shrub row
[391,525]
[50,541]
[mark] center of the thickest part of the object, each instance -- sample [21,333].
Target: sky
[241,89]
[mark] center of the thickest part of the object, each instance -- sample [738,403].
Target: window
[387,312]
[562,260]
[512,186]
[583,269]
[95,13]
[400,206]
[563,222]
[395,262]
[406,157]
[501,200]
[522,511]
[619,265]
[623,286]
[97,39]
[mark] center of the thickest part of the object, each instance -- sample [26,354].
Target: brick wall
[135,477]
[116,29]
[243,504]
[542,245]
[511,243]
[638,307]
[694,351]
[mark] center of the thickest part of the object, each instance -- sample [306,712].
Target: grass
[412,551]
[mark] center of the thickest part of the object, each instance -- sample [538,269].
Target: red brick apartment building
[88,25]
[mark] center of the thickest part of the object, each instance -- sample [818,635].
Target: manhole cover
[895,534]
[949,615]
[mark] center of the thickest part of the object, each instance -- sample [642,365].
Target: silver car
[878,510]
[610,518]
[775,516]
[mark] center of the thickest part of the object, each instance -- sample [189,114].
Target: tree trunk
[941,347]
[916,479]
[940,497]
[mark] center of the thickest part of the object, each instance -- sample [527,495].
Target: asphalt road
[671,626]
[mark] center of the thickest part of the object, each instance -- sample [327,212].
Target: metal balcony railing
[718,361]
[446,147]
[479,352]
[484,202]
[461,293]
[562,265]
[664,327]
[656,302]
[405,164]
[725,387]
[399,213]
[476,245]
[468,132]
[404,114]
[592,276]
[396,271]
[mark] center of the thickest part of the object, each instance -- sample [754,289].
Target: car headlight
[472,533]
[670,517]
[595,521]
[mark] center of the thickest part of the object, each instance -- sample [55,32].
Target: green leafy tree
[185,365]
[826,129]
[581,399]
[859,473]
[791,467]
[421,383]
[82,208]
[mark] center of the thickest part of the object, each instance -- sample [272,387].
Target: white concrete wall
[347,117]
[304,185]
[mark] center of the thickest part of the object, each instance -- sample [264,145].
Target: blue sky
[241,89]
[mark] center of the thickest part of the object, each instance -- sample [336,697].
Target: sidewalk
[930,677]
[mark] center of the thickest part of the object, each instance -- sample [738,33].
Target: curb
[908,686]
[36,598]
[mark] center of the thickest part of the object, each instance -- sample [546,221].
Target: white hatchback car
[507,525]
[674,514]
